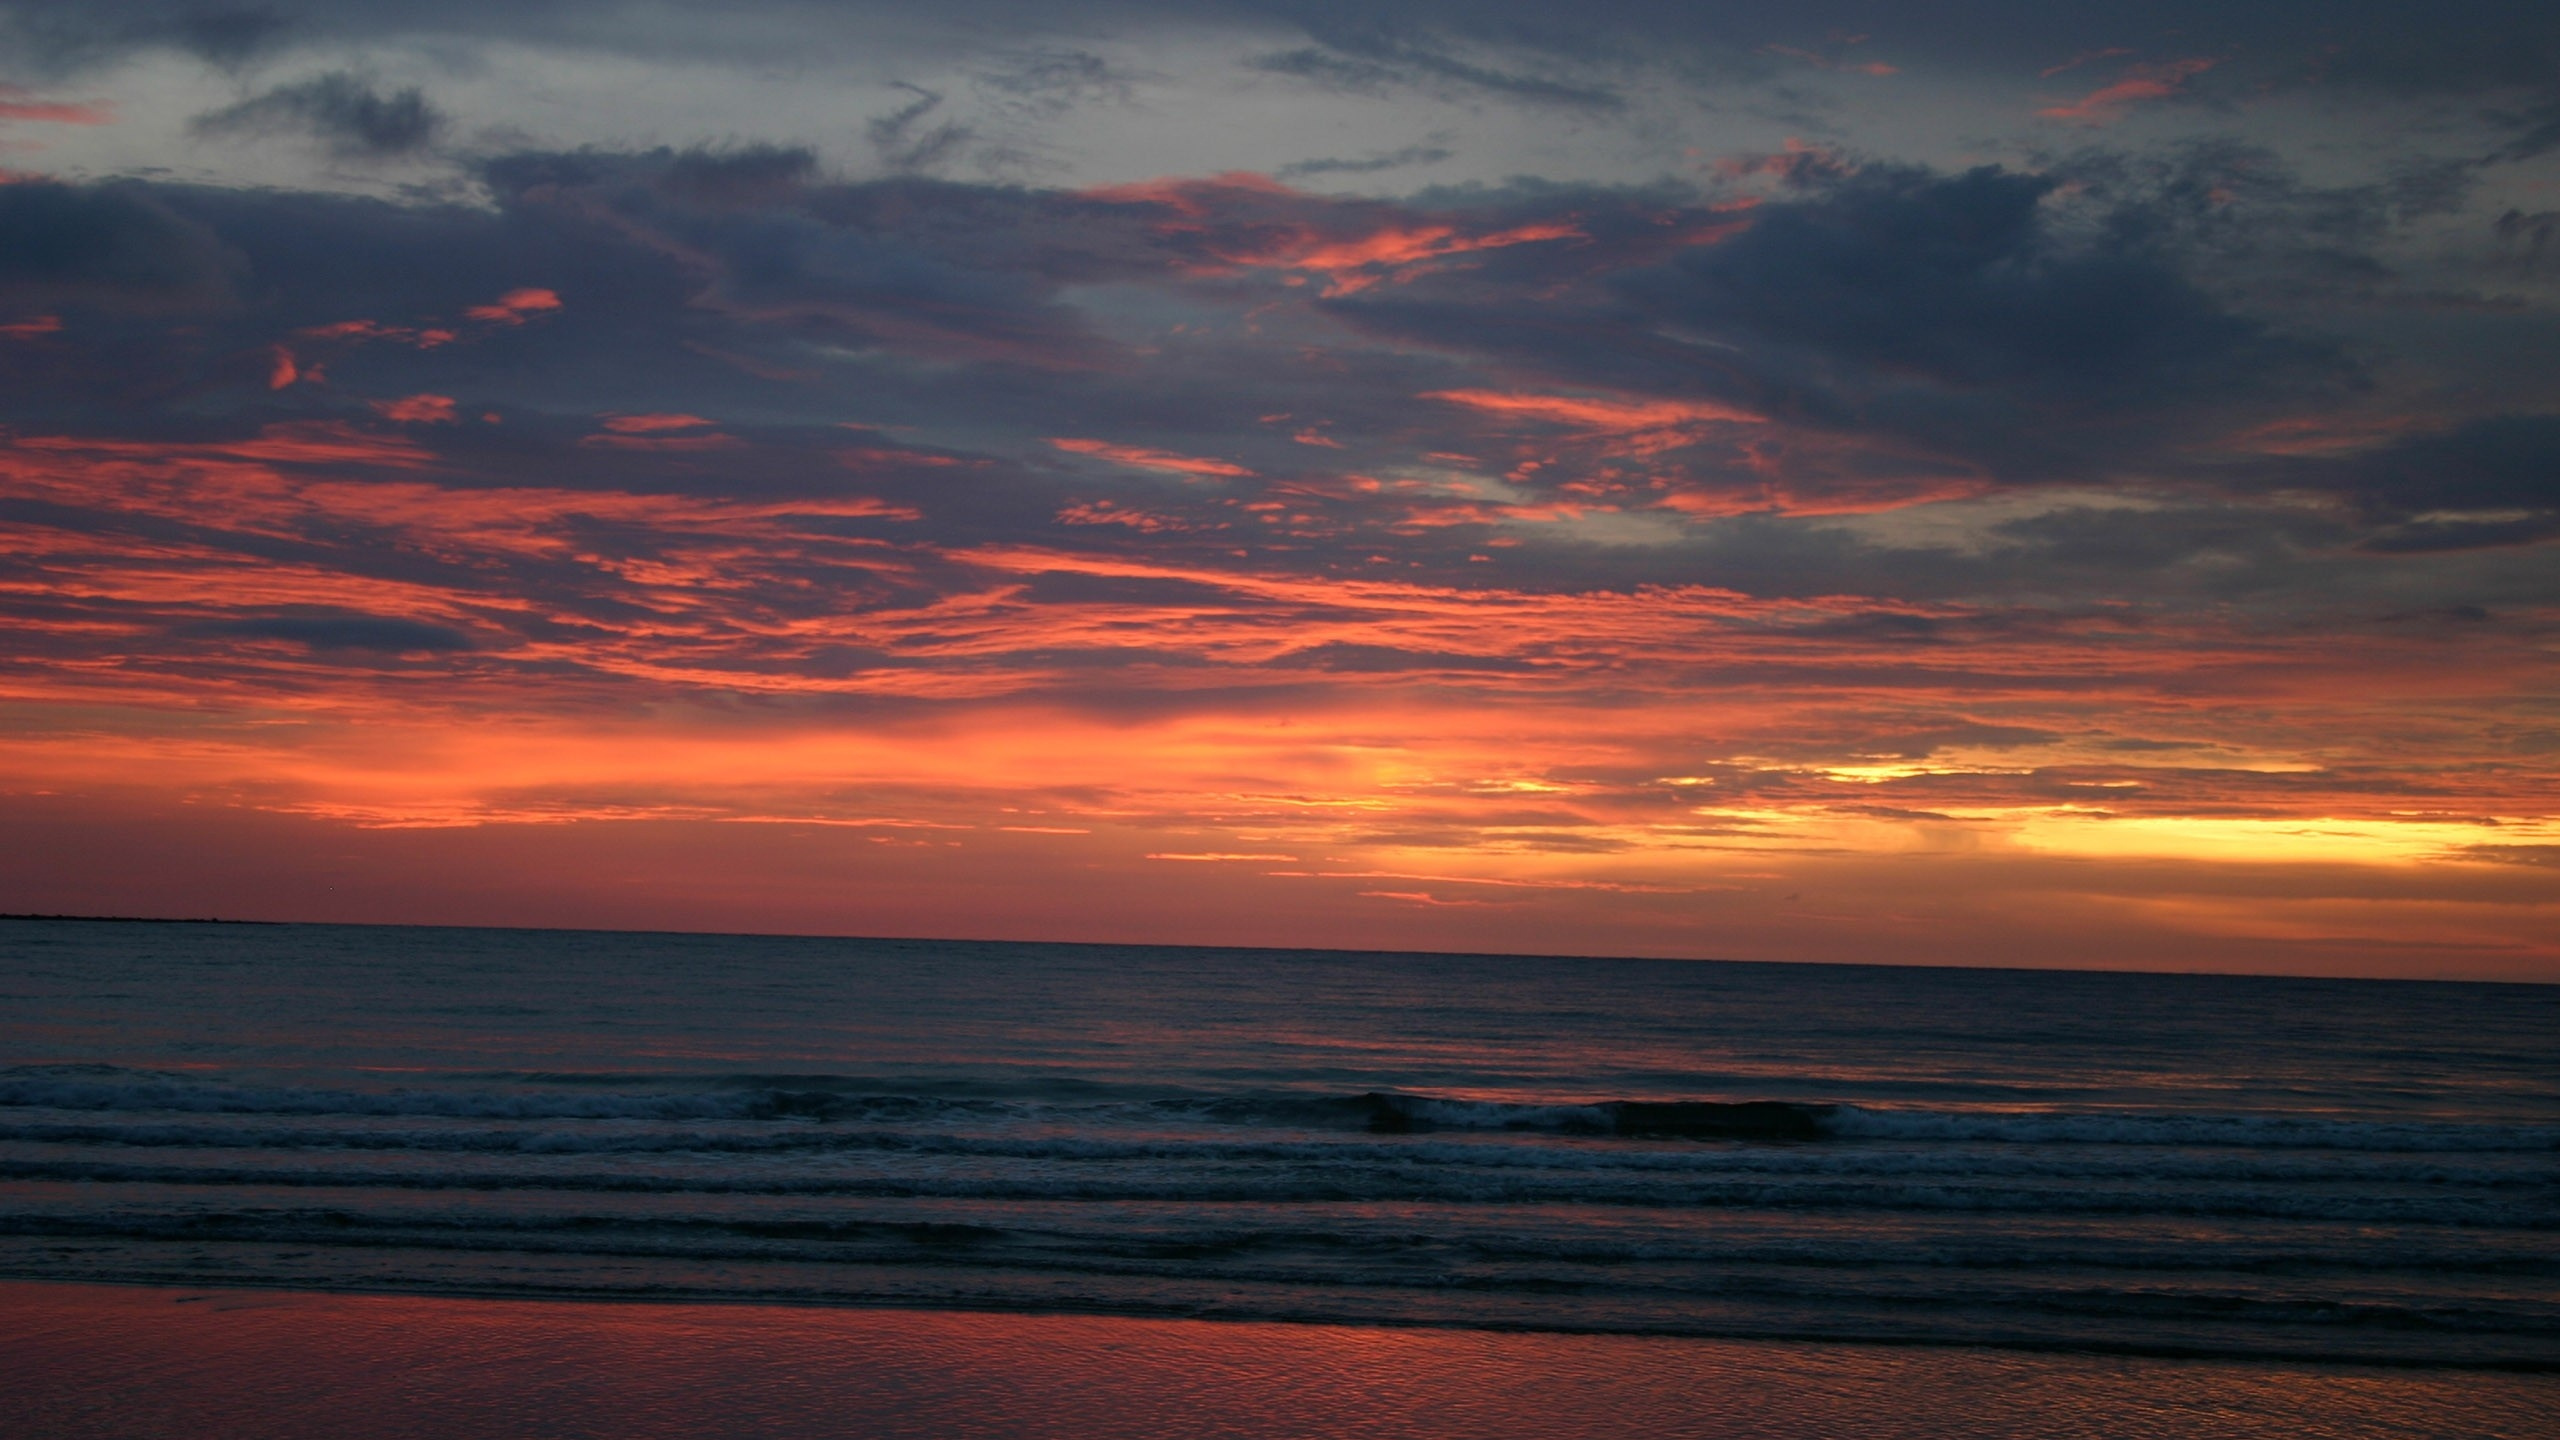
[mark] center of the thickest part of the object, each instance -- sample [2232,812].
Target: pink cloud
[1242,220]
[1145,459]
[652,424]
[2139,83]
[417,409]
[13,106]
[424,339]
[512,307]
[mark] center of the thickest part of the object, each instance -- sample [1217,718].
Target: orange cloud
[1188,195]
[717,440]
[1652,768]
[1630,427]
[424,339]
[1242,220]
[1354,264]
[1105,512]
[513,307]
[1145,459]
[1617,417]
[416,409]
[2140,83]
[2327,434]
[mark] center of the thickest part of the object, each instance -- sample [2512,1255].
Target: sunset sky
[1979,483]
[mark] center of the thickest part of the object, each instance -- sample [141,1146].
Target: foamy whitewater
[2224,1166]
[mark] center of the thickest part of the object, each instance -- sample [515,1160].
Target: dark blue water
[2172,1164]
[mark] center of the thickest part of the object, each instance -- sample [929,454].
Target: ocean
[2229,1168]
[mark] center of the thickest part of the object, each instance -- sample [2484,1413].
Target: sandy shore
[112,1362]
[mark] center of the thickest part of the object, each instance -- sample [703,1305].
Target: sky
[1980,483]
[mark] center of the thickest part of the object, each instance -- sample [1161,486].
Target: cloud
[2139,84]
[1044,84]
[417,409]
[1862,340]
[2487,483]
[909,146]
[2538,130]
[225,35]
[515,306]
[16,104]
[1459,52]
[111,246]
[744,175]
[1378,65]
[1367,165]
[340,109]
[2532,240]
[1900,331]
[1668,538]
[1145,459]
[2507,461]
[1959,281]
[380,634]
[64,39]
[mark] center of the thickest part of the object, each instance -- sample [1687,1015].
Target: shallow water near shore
[2153,1165]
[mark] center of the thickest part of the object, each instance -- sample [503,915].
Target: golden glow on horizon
[1672,764]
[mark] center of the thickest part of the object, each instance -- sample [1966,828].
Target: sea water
[2212,1166]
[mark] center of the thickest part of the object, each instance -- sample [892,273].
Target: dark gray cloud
[1983,321]
[909,141]
[116,247]
[1924,322]
[380,634]
[2503,462]
[2537,128]
[1378,63]
[1367,164]
[2532,241]
[926,267]
[341,110]
[2245,225]
[1955,281]
[1525,49]
[2491,482]
[738,175]
[48,38]
[1043,84]
[226,36]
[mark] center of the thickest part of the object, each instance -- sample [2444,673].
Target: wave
[1336,1276]
[818,1142]
[53,1092]
[2255,1132]
[1831,1249]
[1406,1184]
[835,1100]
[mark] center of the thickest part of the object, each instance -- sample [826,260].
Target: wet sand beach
[106,1362]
